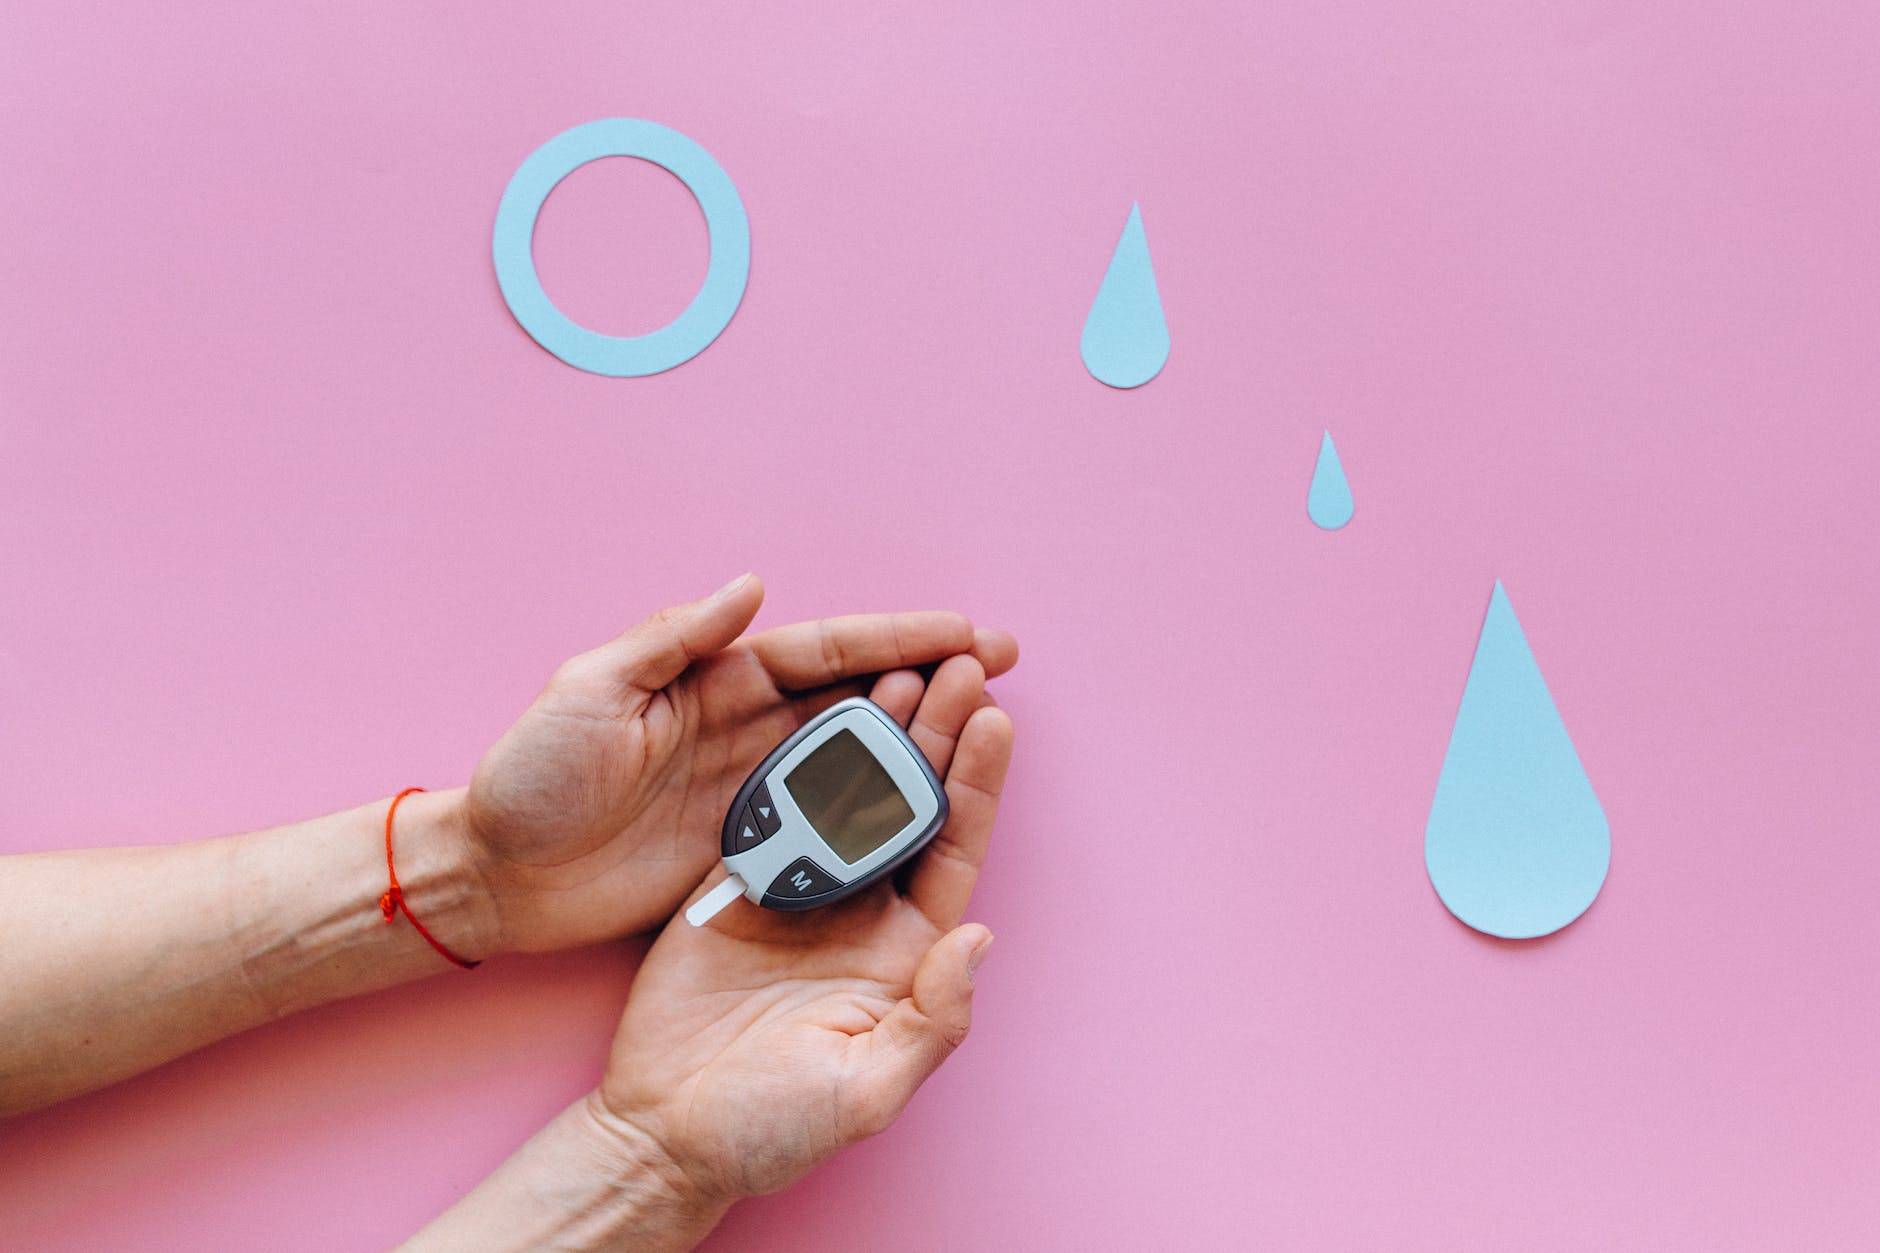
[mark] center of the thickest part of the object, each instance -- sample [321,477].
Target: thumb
[657,651]
[923,1030]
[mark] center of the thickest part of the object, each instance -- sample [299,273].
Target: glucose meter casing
[834,808]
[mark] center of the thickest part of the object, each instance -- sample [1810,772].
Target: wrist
[599,1181]
[588,1180]
[636,1152]
[304,921]
[440,874]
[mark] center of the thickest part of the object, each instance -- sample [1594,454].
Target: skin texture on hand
[755,1046]
[597,811]
[752,1048]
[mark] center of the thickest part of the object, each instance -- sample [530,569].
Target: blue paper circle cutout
[623,356]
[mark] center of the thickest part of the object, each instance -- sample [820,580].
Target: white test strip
[707,907]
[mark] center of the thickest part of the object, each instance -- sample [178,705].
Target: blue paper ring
[617,356]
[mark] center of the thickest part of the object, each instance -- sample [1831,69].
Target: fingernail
[975,957]
[732,586]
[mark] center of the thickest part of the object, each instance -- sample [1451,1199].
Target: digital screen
[846,795]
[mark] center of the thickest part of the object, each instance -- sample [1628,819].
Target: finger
[922,1031]
[898,692]
[950,700]
[810,654]
[997,650]
[944,873]
[657,651]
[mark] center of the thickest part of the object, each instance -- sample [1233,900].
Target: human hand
[755,1046]
[598,811]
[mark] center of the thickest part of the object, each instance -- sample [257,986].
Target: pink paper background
[292,514]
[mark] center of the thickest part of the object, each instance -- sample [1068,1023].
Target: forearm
[587,1181]
[116,960]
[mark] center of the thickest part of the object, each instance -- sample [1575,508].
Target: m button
[801,880]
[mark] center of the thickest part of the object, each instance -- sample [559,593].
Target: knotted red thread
[393,902]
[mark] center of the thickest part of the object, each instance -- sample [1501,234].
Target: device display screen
[851,801]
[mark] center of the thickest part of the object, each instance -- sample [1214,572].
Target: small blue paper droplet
[1125,341]
[1329,503]
[1517,843]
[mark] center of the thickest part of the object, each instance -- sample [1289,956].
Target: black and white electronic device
[835,807]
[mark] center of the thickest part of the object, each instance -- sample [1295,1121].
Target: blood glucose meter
[834,808]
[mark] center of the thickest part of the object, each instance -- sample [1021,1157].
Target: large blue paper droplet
[1329,504]
[1517,844]
[1125,341]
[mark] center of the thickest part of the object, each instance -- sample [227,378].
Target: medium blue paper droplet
[1517,843]
[1125,341]
[1329,504]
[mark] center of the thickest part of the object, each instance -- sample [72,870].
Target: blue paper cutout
[1329,503]
[1517,843]
[1125,341]
[614,355]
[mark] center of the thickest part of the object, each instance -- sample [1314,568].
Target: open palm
[753,1047]
[598,810]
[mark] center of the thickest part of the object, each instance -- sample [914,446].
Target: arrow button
[765,812]
[747,835]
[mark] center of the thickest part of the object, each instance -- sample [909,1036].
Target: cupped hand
[755,1046]
[599,809]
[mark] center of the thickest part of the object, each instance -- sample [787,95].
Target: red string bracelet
[394,899]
